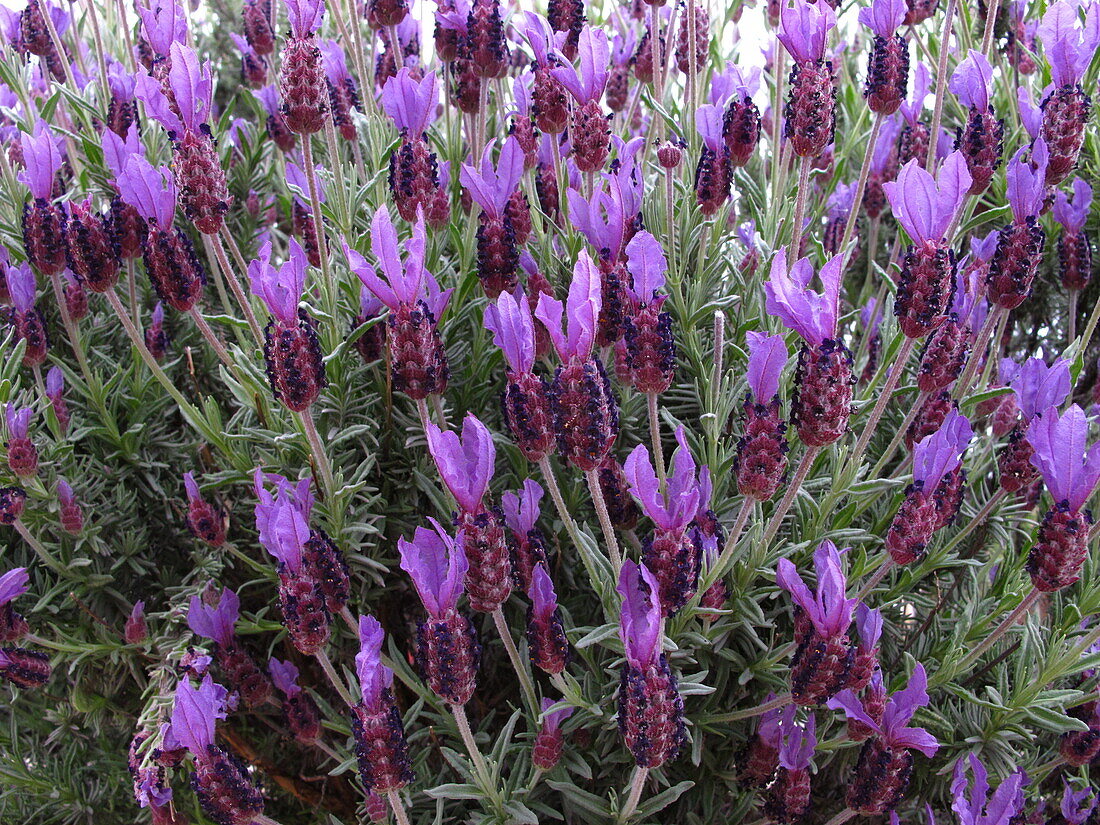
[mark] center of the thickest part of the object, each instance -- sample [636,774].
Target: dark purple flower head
[544,601]
[18,420]
[1068,41]
[767,357]
[1073,212]
[336,64]
[552,720]
[900,708]
[215,623]
[641,625]
[924,205]
[735,81]
[804,28]
[465,462]
[490,186]
[195,713]
[436,563]
[305,16]
[673,508]
[374,677]
[972,81]
[883,17]
[587,82]
[1070,468]
[401,283]
[411,103]
[1039,387]
[913,105]
[521,510]
[151,191]
[938,454]
[41,158]
[513,328]
[1030,115]
[797,743]
[1026,181]
[582,311]
[285,676]
[972,803]
[827,608]
[813,315]
[13,584]
[280,289]
[645,260]
[21,286]
[1077,806]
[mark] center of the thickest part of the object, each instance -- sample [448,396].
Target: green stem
[522,671]
[897,368]
[1006,624]
[655,436]
[593,479]
[637,785]
[788,497]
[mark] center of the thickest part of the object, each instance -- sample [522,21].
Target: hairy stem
[896,369]
[593,479]
[317,447]
[784,505]
[637,785]
[521,667]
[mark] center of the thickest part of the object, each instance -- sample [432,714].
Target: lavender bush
[478,412]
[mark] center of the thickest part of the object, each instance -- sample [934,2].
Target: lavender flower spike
[411,103]
[1070,468]
[162,24]
[285,534]
[490,186]
[305,16]
[674,508]
[195,714]
[586,83]
[374,677]
[521,510]
[280,289]
[582,310]
[926,206]
[938,454]
[437,564]
[767,357]
[513,328]
[151,191]
[465,462]
[22,287]
[974,806]
[813,315]
[900,708]
[215,623]
[972,80]
[827,609]
[1069,46]
[1072,213]
[803,28]
[641,626]
[13,584]
[42,160]
[883,17]
[1039,387]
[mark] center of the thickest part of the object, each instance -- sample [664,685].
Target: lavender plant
[479,483]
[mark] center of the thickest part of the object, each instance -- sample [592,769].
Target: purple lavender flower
[938,454]
[803,29]
[641,625]
[549,741]
[1077,806]
[1069,46]
[437,564]
[1074,245]
[151,191]
[509,319]
[13,584]
[1020,243]
[788,797]
[465,461]
[972,81]
[280,289]
[1069,467]
[305,16]
[22,454]
[582,311]
[498,241]
[767,357]
[1026,188]
[973,803]
[374,677]
[1072,213]
[547,643]
[826,608]
[195,714]
[410,102]
[1039,386]
[1031,116]
[924,205]
[813,315]
[883,17]
[215,623]
[42,160]
[587,82]
[162,24]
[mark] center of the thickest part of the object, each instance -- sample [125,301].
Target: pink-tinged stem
[655,436]
[593,479]
[758,710]
[234,284]
[841,817]
[463,724]
[897,368]
[1072,315]
[317,447]
[991,9]
[637,785]
[784,505]
[873,582]
[981,343]
[337,683]
[861,188]
[131,289]
[941,84]
[521,668]
[212,339]
[899,436]
[318,224]
[801,194]
[47,557]
[398,808]
[1008,622]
